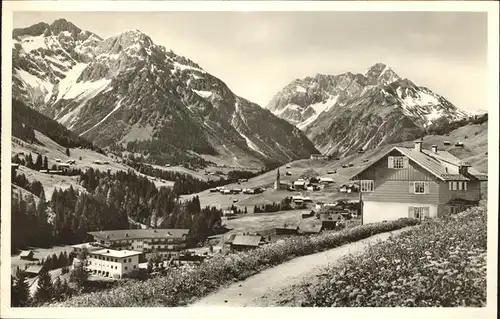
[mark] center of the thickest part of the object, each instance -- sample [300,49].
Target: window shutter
[426,188]
[426,212]
[412,187]
[465,186]
[410,211]
[449,186]
[391,162]
[405,162]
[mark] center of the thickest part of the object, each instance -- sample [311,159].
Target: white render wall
[375,212]
[116,268]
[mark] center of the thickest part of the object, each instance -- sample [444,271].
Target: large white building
[112,263]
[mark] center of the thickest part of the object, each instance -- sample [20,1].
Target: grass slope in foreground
[184,285]
[441,263]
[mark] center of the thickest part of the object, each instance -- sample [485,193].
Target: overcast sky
[258,53]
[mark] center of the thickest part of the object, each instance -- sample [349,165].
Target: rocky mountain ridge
[349,112]
[127,93]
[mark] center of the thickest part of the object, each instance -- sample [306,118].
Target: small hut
[27,255]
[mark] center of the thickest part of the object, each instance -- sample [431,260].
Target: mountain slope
[126,92]
[344,113]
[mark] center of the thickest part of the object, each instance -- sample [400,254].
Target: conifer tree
[44,291]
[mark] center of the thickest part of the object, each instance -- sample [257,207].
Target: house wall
[472,193]
[374,212]
[115,266]
[380,171]
[399,191]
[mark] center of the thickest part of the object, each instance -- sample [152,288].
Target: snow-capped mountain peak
[380,73]
[322,105]
[128,92]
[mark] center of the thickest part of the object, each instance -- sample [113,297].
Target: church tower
[278,182]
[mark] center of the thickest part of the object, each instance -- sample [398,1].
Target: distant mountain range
[127,93]
[348,112]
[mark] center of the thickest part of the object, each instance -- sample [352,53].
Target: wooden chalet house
[417,183]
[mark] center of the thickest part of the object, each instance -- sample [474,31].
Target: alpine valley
[126,93]
[345,113]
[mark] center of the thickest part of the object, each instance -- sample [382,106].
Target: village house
[299,184]
[327,180]
[307,228]
[33,270]
[287,230]
[63,167]
[417,183]
[318,157]
[85,246]
[165,242]
[26,255]
[245,242]
[112,263]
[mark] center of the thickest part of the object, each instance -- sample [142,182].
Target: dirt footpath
[263,289]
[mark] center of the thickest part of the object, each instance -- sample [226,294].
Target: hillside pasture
[475,147]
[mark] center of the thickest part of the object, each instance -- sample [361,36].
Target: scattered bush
[183,285]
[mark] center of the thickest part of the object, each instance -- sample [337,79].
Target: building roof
[290,227]
[247,240]
[87,246]
[307,227]
[123,234]
[441,164]
[25,253]
[34,269]
[116,253]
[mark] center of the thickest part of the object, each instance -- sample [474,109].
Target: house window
[130,260]
[418,212]
[457,186]
[125,267]
[397,162]
[455,209]
[367,185]
[419,187]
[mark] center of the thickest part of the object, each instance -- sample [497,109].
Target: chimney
[434,148]
[418,146]
[463,168]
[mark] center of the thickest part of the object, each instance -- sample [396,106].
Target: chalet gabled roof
[25,253]
[441,164]
[247,240]
[34,269]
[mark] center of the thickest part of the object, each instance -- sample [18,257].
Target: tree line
[41,163]
[443,126]
[185,184]
[285,204]
[26,120]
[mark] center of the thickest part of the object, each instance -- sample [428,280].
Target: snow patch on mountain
[117,107]
[33,43]
[203,94]
[300,89]
[34,85]
[184,67]
[289,107]
[318,109]
[252,145]
[70,88]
